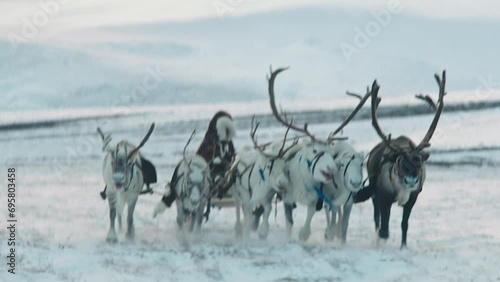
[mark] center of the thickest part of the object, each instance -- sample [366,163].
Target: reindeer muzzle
[119,179]
[327,175]
[356,185]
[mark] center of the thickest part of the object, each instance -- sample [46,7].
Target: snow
[453,233]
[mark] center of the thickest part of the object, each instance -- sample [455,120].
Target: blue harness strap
[322,196]
[261,172]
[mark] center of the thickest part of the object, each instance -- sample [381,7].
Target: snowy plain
[454,230]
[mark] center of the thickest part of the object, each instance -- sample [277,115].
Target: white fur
[303,180]
[117,198]
[341,196]
[192,190]
[262,190]
[225,128]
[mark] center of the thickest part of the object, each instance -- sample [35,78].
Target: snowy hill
[213,60]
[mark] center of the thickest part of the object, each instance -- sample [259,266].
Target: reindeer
[258,177]
[396,168]
[122,172]
[319,171]
[192,190]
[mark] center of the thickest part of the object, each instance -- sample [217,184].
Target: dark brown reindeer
[396,169]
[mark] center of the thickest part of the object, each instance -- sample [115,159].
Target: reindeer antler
[101,133]
[282,151]
[427,99]
[282,117]
[441,81]
[362,101]
[144,140]
[185,147]
[375,102]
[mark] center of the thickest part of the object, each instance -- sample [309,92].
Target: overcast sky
[91,13]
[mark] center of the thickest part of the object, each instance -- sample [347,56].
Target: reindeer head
[123,156]
[195,173]
[196,181]
[271,164]
[350,164]
[408,159]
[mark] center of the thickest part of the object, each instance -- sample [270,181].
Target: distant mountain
[226,60]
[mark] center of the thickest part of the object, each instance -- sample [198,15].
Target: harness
[131,176]
[322,197]
[314,161]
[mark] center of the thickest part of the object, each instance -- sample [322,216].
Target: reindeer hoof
[383,234]
[263,231]
[130,235]
[238,230]
[112,240]
[329,234]
[304,234]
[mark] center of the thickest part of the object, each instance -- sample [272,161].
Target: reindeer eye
[314,151]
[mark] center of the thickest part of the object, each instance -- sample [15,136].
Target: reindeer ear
[425,155]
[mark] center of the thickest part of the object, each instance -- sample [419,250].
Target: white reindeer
[345,182]
[314,168]
[124,180]
[192,188]
[258,177]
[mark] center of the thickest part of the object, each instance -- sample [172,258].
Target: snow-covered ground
[453,235]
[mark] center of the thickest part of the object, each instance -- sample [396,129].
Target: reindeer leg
[289,219]
[264,227]
[305,231]
[376,213]
[257,213]
[119,219]
[193,216]
[247,214]
[238,228]
[181,234]
[332,223]
[112,238]
[385,204]
[130,218]
[406,215]
[197,221]
[345,220]
[328,223]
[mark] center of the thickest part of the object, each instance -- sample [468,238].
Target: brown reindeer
[396,169]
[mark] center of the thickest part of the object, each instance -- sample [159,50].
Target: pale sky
[92,13]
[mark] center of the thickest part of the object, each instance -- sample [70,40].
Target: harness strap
[315,161]
[249,177]
[347,166]
[321,196]
[261,172]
